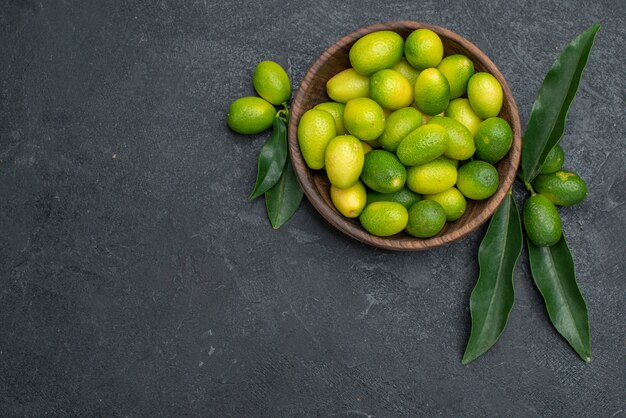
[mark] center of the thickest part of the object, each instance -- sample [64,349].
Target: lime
[315,130]
[431,178]
[426,219]
[458,69]
[478,180]
[432,91]
[422,145]
[461,111]
[542,221]
[364,118]
[250,115]
[562,188]
[271,82]
[344,161]
[423,49]
[398,125]
[390,89]
[336,111]
[485,95]
[403,196]
[347,85]
[404,68]
[383,172]
[452,201]
[554,160]
[493,139]
[351,201]
[460,141]
[384,218]
[376,51]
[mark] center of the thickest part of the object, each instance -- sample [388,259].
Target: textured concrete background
[137,280]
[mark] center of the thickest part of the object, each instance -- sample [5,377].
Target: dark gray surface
[137,280]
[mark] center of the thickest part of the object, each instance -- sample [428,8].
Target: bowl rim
[305,176]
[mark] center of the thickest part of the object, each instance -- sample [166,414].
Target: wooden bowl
[315,183]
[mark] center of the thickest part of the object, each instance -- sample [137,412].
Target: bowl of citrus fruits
[404,136]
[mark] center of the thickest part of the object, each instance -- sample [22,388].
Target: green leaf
[547,118]
[282,200]
[553,271]
[271,159]
[492,298]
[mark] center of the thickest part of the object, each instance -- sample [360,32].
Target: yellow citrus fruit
[460,141]
[426,219]
[458,69]
[422,145]
[452,201]
[366,147]
[315,130]
[398,125]
[344,159]
[384,218]
[347,85]
[478,180]
[390,89]
[432,91]
[351,201]
[364,118]
[271,82]
[250,115]
[493,139]
[461,111]
[404,68]
[431,178]
[376,51]
[336,111]
[423,49]
[485,95]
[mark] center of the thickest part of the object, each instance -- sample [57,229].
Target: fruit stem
[283,114]
[529,187]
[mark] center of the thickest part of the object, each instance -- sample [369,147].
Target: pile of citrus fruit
[408,134]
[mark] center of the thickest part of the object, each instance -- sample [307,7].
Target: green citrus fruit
[451,161]
[403,196]
[384,218]
[461,111]
[478,180]
[250,115]
[408,71]
[493,139]
[376,51]
[431,178]
[422,145]
[315,130]
[383,172]
[452,201]
[390,89]
[423,49]
[554,160]
[398,125]
[432,91]
[460,141]
[347,85]
[364,118]
[351,201]
[344,161]
[542,221]
[426,219]
[336,111]
[562,188]
[366,147]
[485,95]
[458,69]
[271,82]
